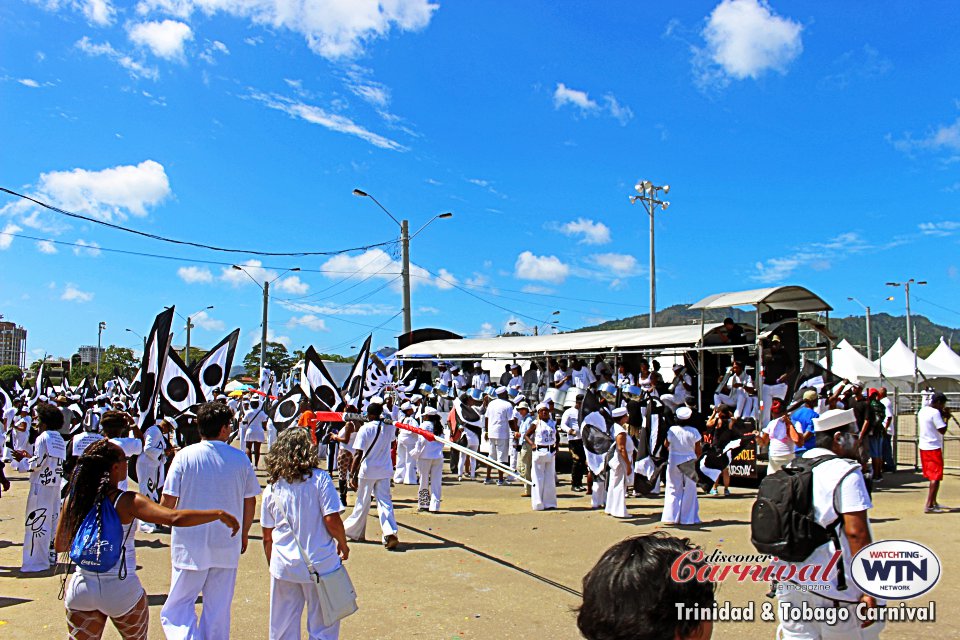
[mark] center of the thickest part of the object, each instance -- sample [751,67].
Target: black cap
[938,397]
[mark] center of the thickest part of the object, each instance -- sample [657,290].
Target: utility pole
[186,354]
[263,329]
[911,338]
[405,274]
[100,329]
[869,343]
[650,197]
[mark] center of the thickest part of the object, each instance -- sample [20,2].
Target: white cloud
[5,238]
[477,280]
[292,284]
[536,288]
[428,310]
[356,309]
[192,274]
[97,12]
[47,247]
[272,336]
[29,82]
[540,268]
[486,330]
[621,265]
[108,194]
[590,232]
[745,39]
[308,321]
[945,137]
[444,280]
[204,321]
[564,95]
[72,294]
[376,263]
[255,269]
[816,256]
[375,93]
[91,249]
[165,39]
[333,29]
[316,115]
[942,229]
[209,53]
[135,68]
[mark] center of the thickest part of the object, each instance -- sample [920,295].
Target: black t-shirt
[863,411]
[775,365]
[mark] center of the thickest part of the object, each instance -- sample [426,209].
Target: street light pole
[263,329]
[869,343]
[649,196]
[100,329]
[911,338]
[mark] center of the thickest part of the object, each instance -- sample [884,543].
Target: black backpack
[782,521]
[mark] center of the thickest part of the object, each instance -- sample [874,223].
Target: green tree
[80,372]
[119,359]
[10,373]
[196,354]
[277,359]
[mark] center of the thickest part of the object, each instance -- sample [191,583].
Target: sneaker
[713,491]
[391,542]
[934,509]
[726,492]
[488,481]
[459,478]
[146,527]
[501,483]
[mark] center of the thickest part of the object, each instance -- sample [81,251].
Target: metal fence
[905,441]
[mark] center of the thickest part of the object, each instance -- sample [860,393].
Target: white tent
[899,362]
[943,357]
[851,364]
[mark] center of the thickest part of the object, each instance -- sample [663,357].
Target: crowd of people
[630,434]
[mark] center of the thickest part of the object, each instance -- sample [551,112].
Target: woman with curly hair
[300,510]
[117,594]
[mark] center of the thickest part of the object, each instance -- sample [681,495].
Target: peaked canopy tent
[943,357]
[901,363]
[851,364]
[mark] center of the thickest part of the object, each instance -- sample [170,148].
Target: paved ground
[488,567]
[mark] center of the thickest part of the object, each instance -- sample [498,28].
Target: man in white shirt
[738,393]
[838,490]
[480,379]
[561,378]
[500,422]
[570,424]
[370,478]
[931,425]
[582,377]
[889,464]
[208,475]
[516,378]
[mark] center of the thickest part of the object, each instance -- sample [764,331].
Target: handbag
[338,598]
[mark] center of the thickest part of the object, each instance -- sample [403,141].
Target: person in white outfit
[738,393]
[300,514]
[45,467]
[471,422]
[429,457]
[253,426]
[541,436]
[406,472]
[680,504]
[207,475]
[151,465]
[117,426]
[370,478]
[500,422]
[595,461]
[621,465]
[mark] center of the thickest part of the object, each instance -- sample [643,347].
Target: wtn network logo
[896,569]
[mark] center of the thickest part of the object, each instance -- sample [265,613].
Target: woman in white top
[429,457]
[680,504]
[116,593]
[300,510]
[541,435]
[782,437]
[621,465]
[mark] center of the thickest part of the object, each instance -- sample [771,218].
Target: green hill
[853,328]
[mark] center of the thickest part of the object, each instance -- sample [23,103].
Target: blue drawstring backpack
[99,543]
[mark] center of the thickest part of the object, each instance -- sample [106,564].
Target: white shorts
[253,434]
[104,592]
[500,449]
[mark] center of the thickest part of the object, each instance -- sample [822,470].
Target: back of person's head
[630,594]
[113,424]
[374,411]
[51,418]
[292,457]
[212,417]
[90,478]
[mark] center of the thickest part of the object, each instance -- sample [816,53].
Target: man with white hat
[406,471]
[459,380]
[499,422]
[480,379]
[621,465]
[840,501]
[680,502]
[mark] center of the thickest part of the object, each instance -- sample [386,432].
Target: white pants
[543,494]
[743,404]
[680,504]
[356,525]
[178,617]
[40,526]
[598,488]
[514,453]
[466,462]
[431,479]
[617,491]
[287,600]
[770,391]
[406,472]
[813,630]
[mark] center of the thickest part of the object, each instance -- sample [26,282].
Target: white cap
[543,405]
[833,419]
[476,364]
[406,406]
[454,368]
[500,390]
[684,413]
[619,412]
[429,411]
[376,400]
[416,397]
[523,405]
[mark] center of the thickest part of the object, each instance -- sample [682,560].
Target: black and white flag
[213,369]
[5,400]
[354,385]
[286,410]
[152,365]
[179,389]
[324,393]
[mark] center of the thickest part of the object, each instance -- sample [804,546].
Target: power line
[188,243]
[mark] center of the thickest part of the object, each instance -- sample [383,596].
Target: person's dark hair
[50,417]
[938,398]
[90,480]
[728,321]
[113,424]
[374,411]
[824,439]
[212,417]
[437,425]
[630,595]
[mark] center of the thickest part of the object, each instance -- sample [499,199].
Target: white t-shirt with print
[295,512]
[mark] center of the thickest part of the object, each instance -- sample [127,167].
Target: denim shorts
[875,443]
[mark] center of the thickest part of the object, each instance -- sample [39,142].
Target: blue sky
[805,143]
